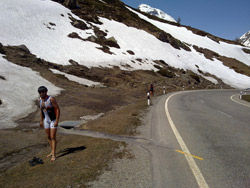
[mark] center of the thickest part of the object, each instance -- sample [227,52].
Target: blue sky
[223,18]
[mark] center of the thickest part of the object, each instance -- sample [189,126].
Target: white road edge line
[196,171]
[238,102]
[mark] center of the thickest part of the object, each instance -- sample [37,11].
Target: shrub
[246,97]
[158,67]
[166,73]
[247,51]
[130,52]
[195,77]
[1,77]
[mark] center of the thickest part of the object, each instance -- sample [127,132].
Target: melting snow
[43,26]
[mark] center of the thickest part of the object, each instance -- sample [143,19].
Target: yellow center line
[189,154]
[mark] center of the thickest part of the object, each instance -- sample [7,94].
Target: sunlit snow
[79,80]
[185,35]
[156,12]
[19,91]
[43,26]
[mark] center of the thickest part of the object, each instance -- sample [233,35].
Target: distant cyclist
[151,90]
[50,113]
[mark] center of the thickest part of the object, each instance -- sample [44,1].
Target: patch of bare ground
[247,51]
[232,63]
[16,146]
[81,159]
[236,65]
[123,121]
[246,98]
[209,54]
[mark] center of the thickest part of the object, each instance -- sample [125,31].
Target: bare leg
[49,139]
[53,143]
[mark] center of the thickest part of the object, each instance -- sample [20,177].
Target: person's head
[42,90]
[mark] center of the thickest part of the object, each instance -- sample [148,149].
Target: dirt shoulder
[80,159]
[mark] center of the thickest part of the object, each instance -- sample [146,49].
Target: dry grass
[246,98]
[236,65]
[232,63]
[123,121]
[80,160]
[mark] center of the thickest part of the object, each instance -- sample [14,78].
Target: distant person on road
[151,90]
[50,113]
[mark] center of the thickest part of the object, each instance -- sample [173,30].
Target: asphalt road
[200,139]
[190,139]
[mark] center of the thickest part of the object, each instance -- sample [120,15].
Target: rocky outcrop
[1,49]
[70,4]
[245,39]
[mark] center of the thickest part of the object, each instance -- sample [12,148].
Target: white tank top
[47,109]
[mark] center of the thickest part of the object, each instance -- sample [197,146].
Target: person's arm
[57,110]
[41,118]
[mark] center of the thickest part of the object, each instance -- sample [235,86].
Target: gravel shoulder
[135,169]
[131,171]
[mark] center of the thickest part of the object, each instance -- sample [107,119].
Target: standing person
[50,113]
[152,90]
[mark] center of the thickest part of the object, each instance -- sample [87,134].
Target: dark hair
[42,89]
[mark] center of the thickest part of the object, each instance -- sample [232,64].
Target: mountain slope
[53,27]
[100,39]
[245,39]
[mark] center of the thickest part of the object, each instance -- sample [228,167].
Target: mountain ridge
[93,33]
[245,39]
[114,44]
[156,12]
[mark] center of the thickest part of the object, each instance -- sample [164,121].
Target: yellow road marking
[189,154]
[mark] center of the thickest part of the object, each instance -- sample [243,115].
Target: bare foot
[53,158]
[49,155]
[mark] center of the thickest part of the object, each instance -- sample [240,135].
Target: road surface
[190,139]
[201,139]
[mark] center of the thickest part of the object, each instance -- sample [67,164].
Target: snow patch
[19,91]
[79,80]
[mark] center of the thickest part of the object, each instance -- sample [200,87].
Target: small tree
[179,20]
[237,39]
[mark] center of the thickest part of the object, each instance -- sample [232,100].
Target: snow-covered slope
[187,36]
[44,27]
[155,12]
[245,39]
[18,91]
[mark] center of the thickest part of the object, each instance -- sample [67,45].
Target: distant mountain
[156,12]
[245,39]
[108,42]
